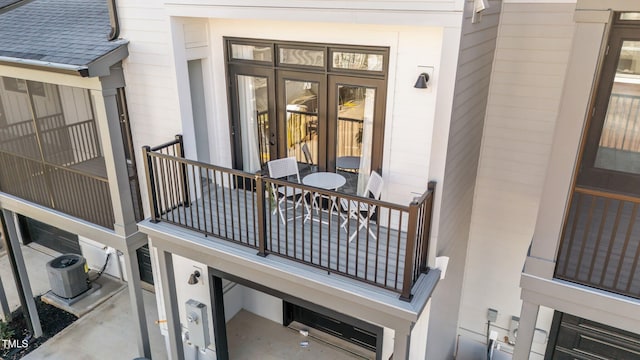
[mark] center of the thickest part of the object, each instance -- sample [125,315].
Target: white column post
[14,252]
[526,330]
[401,344]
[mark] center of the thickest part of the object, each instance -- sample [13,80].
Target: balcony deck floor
[319,241]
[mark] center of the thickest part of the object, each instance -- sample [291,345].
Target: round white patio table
[324,180]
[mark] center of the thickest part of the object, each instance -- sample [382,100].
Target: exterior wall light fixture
[422,81]
[193,278]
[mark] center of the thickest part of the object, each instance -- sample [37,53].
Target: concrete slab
[253,337]
[331,340]
[107,332]
[468,349]
[107,287]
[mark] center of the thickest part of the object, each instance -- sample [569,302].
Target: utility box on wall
[197,323]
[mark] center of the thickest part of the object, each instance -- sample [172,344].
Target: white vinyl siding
[150,77]
[477,46]
[530,63]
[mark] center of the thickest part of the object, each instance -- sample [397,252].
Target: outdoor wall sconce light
[421,83]
[193,278]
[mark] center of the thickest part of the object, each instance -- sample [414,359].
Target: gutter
[81,70]
[113,20]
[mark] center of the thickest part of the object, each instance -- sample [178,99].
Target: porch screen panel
[619,147]
[600,244]
[66,125]
[17,135]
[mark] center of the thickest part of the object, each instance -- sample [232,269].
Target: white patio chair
[286,168]
[362,211]
[307,156]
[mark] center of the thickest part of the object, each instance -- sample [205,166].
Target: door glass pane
[253,108]
[354,135]
[619,147]
[302,120]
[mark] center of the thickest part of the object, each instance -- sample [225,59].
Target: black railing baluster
[262,210]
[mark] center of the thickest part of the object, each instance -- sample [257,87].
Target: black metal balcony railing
[600,245]
[242,208]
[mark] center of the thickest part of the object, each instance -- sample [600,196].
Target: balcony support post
[401,343]
[9,234]
[262,225]
[108,121]
[168,281]
[5,311]
[184,176]
[151,184]
[410,252]
[136,299]
[526,329]
[426,230]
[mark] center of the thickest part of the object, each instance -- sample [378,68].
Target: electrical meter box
[197,323]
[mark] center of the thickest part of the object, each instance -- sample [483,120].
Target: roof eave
[45,65]
[97,67]
[101,66]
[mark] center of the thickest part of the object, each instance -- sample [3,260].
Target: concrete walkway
[106,332]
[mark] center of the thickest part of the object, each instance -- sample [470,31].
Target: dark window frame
[617,19]
[589,175]
[235,66]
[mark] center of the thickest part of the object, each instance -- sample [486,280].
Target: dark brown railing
[58,188]
[243,208]
[600,244]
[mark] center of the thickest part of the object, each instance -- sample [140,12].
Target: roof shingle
[71,32]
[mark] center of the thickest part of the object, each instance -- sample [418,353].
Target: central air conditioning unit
[67,275]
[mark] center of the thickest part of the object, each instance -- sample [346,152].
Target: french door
[334,122]
[320,103]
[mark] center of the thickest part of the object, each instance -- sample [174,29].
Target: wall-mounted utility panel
[197,323]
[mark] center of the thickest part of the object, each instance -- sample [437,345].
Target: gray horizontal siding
[473,77]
